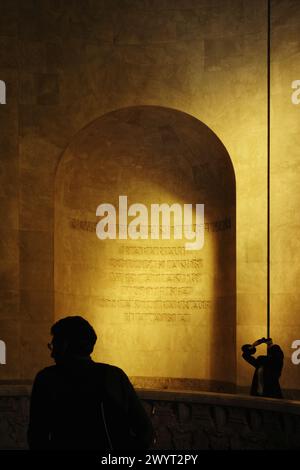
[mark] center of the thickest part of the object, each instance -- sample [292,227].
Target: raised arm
[248,351]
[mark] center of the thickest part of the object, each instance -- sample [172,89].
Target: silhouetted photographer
[79,404]
[268,368]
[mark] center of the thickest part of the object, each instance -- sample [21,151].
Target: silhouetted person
[79,404]
[268,368]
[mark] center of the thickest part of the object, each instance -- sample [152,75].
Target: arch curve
[163,313]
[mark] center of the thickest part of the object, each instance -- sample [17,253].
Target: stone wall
[185,420]
[209,421]
[67,63]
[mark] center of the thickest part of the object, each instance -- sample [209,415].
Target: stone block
[54,57]
[36,305]
[202,417]
[254,420]
[182,439]
[36,276]
[94,30]
[30,23]
[9,304]
[13,422]
[36,152]
[35,354]
[47,89]
[8,180]
[9,213]
[32,56]
[9,275]
[36,201]
[132,28]
[251,310]
[8,52]
[36,216]
[27,89]
[164,438]
[10,333]
[9,245]
[36,246]
[9,18]
[219,441]
[254,17]
[184,412]
[225,22]
[220,417]
[28,120]
[57,124]
[200,440]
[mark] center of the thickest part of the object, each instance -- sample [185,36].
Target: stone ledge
[209,398]
[15,390]
[223,399]
[183,419]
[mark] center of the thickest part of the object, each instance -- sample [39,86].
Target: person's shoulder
[109,367]
[111,370]
[49,371]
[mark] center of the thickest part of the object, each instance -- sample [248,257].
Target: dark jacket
[83,405]
[267,370]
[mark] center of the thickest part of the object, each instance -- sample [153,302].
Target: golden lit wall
[285,301]
[165,314]
[68,63]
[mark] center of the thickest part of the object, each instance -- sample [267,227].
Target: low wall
[184,420]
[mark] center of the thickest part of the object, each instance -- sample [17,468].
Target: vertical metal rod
[268,165]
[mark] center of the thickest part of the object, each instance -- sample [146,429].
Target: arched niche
[165,314]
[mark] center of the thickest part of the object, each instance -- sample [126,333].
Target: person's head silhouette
[72,337]
[275,353]
[81,404]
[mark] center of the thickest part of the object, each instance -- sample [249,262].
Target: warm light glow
[160,310]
